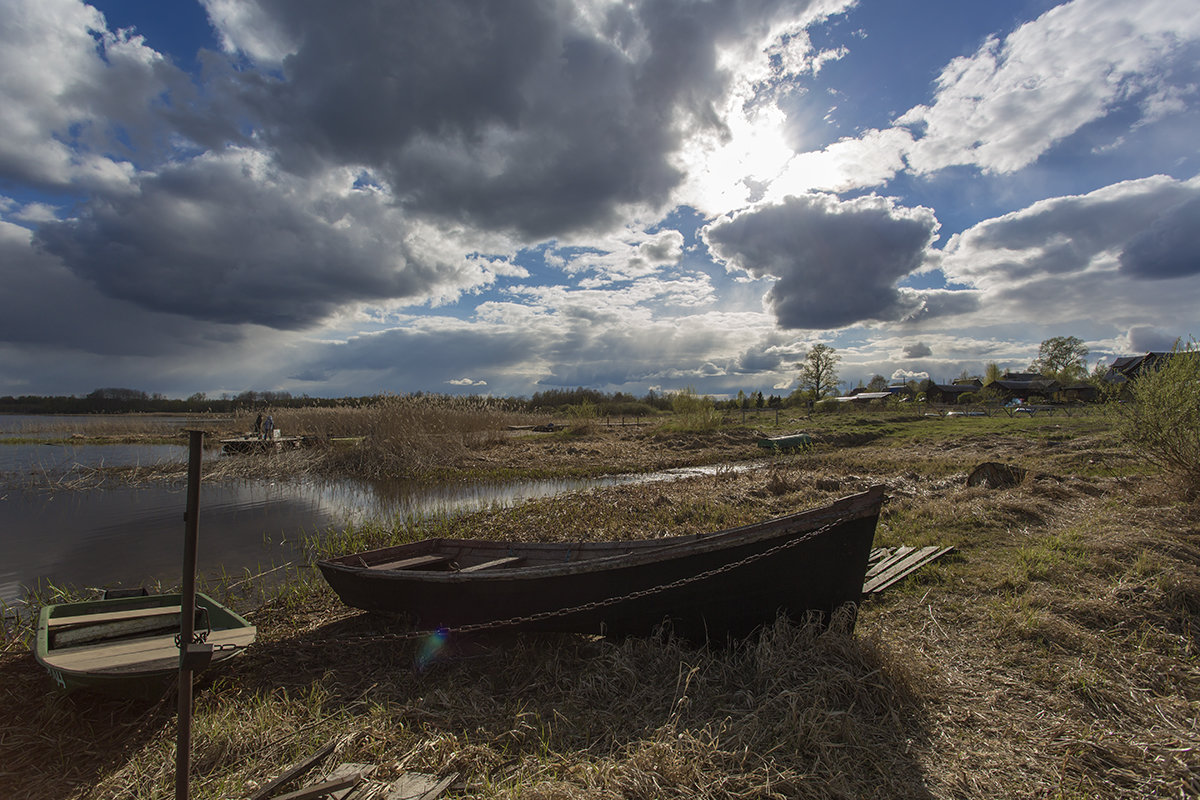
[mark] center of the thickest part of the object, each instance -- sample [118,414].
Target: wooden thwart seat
[413,562]
[120,656]
[113,616]
[497,562]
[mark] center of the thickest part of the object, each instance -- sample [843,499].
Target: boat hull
[709,587]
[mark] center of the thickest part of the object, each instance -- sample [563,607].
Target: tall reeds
[394,435]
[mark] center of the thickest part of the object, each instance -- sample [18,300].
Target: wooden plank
[904,568]
[415,561]
[294,771]
[497,562]
[323,788]
[887,561]
[896,566]
[112,616]
[901,573]
[146,626]
[363,771]
[419,786]
[107,657]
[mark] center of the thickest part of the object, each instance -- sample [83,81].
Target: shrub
[1162,419]
[827,406]
[694,411]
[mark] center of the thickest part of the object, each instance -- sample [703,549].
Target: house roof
[1132,366]
[863,396]
[1038,384]
[952,388]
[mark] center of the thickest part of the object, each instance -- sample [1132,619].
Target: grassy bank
[1054,654]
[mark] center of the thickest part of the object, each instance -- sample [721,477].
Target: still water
[133,536]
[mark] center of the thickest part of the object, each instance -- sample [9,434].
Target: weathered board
[889,566]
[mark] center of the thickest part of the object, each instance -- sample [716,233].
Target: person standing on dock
[268,427]
[258,426]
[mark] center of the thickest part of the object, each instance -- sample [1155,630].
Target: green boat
[128,646]
[790,441]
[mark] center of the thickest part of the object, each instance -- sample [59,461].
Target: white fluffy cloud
[1004,106]
[1144,227]
[72,93]
[1111,257]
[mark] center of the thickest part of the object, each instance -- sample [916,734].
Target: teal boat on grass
[128,646]
[790,441]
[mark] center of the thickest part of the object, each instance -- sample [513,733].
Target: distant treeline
[123,401]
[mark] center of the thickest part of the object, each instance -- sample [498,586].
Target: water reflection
[55,459]
[133,536]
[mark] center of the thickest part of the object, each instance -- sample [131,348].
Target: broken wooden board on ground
[353,782]
[293,771]
[419,786]
[888,566]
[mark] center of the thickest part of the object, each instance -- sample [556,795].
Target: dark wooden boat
[127,646]
[710,586]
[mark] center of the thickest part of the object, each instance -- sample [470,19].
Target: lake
[133,536]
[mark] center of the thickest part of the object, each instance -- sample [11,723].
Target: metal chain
[477,627]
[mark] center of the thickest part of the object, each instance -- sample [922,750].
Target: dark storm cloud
[400,359]
[917,350]
[43,304]
[757,360]
[836,262]
[1169,248]
[927,304]
[220,240]
[520,115]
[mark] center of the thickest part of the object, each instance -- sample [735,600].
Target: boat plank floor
[498,562]
[410,563]
[120,655]
[113,616]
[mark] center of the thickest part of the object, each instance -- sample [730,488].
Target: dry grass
[1053,655]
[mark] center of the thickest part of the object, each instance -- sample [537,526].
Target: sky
[503,198]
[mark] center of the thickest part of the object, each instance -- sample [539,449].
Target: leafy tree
[878,384]
[1163,420]
[1061,357]
[818,371]
[758,400]
[991,373]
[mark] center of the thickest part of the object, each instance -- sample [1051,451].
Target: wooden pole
[187,617]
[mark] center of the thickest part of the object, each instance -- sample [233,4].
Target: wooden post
[187,616]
